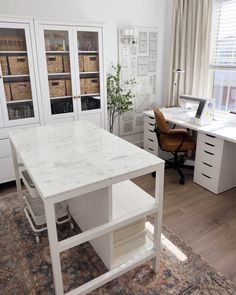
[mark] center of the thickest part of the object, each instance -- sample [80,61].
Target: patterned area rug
[25,265]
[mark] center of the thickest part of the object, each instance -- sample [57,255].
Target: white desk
[80,161]
[215,163]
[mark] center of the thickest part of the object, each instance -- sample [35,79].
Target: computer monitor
[202,109]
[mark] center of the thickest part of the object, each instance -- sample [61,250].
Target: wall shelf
[85,51]
[56,51]
[12,52]
[88,73]
[19,101]
[58,74]
[60,97]
[15,76]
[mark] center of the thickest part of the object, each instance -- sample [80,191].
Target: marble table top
[70,156]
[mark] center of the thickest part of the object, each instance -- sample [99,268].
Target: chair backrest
[160,121]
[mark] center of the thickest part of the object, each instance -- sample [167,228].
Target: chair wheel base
[182,181]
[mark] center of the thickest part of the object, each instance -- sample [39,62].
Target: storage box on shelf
[81,63]
[7,90]
[68,87]
[21,90]
[57,88]
[18,65]
[66,63]
[12,43]
[54,64]
[4,65]
[89,85]
[91,63]
[82,86]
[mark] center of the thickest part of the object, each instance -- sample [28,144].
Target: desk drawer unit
[7,172]
[150,141]
[213,169]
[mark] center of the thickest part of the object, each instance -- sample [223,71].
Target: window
[223,54]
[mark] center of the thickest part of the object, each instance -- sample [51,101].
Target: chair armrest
[178,131]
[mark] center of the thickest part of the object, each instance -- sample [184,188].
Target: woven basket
[7,91]
[18,65]
[21,90]
[4,65]
[92,85]
[57,88]
[91,63]
[12,43]
[66,63]
[68,88]
[54,64]
[83,86]
[81,63]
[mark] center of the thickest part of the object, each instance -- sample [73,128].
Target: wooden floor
[206,222]
[203,220]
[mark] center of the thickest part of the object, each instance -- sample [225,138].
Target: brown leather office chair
[175,141]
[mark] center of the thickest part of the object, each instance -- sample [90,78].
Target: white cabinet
[71,72]
[19,99]
[50,72]
[18,92]
[215,164]
[150,143]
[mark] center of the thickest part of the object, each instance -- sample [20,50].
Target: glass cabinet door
[58,67]
[89,70]
[17,85]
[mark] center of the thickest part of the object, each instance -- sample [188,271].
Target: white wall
[113,13]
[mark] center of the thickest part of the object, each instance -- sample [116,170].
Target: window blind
[223,52]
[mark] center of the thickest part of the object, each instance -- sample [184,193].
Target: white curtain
[190,47]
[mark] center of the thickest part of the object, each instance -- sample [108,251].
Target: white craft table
[78,160]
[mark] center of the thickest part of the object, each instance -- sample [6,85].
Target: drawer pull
[150,130]
[210,144]
[206,175]
[207,164]
[151,140]
[151,124]
[208,153]
[212,136]
[150,117]
[150,149]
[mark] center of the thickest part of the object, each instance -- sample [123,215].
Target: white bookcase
[79,50]
[20,102]
[35,54]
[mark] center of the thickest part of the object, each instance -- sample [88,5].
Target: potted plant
[119,96]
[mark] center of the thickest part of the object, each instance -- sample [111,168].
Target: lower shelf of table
[133,253]
[91,210]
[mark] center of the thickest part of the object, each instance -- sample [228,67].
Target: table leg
[159,183]
[54,249]
[18,181]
